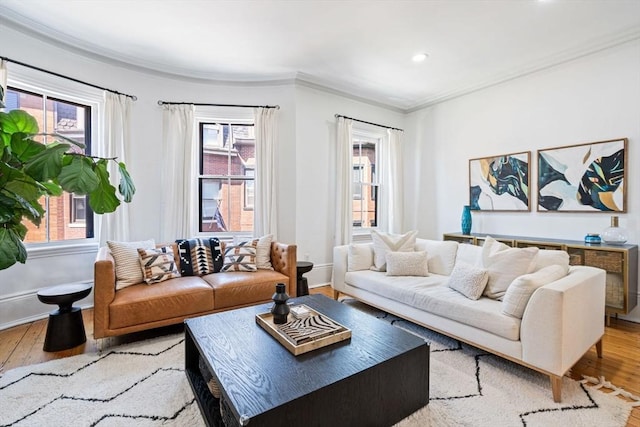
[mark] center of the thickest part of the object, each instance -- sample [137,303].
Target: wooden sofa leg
[336,294]
[556,388]
[599,348]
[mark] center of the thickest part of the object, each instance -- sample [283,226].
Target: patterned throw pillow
[241,257]
[158,264]
[199,256]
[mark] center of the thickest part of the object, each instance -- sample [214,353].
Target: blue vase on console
[465,222]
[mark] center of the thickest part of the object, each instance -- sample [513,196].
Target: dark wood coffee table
[377,378]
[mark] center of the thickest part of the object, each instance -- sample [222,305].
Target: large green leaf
[126,187]
[52,188]
[24,148]
[16,181]
[16,121]
[103,199]
[78,177]
[11,248]
[47,164]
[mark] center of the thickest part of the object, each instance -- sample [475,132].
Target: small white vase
[614,235]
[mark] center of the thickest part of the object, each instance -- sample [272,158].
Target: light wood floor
[22,345]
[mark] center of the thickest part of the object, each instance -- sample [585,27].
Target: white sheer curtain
[391,200]
[344,182]
[265,219]
[117,143]
[179,160]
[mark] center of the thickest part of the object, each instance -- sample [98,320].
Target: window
[67,217]
[249,189]
[365,186]
[226,177]
[78,209]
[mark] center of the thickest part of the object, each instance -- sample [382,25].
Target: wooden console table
[619,261]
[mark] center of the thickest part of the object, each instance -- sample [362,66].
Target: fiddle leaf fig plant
[30,169]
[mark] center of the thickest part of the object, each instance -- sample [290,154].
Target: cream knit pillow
[407,264]
[469,280]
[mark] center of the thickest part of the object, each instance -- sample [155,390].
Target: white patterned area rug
[143,384]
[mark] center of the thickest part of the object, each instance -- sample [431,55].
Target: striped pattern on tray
[300,331]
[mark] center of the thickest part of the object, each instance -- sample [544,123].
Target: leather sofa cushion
[143,303]
[240,288]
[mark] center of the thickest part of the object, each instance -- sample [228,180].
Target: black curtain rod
[200,104]
[33,67]
[369,123]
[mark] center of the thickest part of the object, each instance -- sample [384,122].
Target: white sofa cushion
[433,295]
[441,255]
[386,242]
[469,280]
[519,292]
[504,265]
[359,256]
[407,264]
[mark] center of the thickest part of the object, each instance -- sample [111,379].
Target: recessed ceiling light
[419,57]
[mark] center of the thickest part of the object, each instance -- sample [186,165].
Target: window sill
[46,250]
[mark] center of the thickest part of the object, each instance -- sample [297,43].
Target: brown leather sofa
[139,307]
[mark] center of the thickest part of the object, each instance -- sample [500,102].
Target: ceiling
[360,48]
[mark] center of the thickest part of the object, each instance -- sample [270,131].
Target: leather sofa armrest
[104,290]
[284,258]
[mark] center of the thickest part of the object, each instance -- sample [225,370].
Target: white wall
[305,129]
[315,159]
[594,98]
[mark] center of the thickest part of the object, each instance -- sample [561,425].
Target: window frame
[377,137]
[219,115]
[58,88]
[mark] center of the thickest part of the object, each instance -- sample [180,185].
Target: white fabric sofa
[561,321]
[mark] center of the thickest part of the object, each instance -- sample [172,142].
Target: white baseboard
[24,307]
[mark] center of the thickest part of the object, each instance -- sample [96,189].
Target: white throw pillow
[547,257]
[359,257]
[263,252]
[407,264]
[127,263]
[519,292]
[504,265]
[442,254]
[469,280]
[386,242]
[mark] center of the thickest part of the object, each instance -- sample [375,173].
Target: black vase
[280,309]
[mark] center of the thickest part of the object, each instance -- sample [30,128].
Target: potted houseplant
[30,170]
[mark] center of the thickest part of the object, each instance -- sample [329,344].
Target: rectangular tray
[265,320]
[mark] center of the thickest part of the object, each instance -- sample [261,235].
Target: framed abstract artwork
[500,183]
[583,178]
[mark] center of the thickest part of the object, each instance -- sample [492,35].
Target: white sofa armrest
[340,257]
[564,319]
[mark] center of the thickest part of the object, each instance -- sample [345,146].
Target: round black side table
[65,329]
[303,285]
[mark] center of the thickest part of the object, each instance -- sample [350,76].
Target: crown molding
[307,80]
[43,33]
[629,35]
